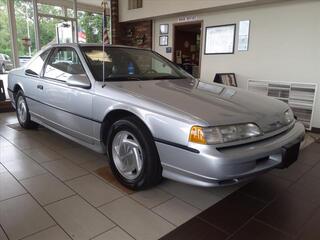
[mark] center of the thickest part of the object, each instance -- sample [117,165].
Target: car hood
[214,103]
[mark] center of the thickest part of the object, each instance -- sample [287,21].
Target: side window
[64,64]
[35,67]
[7,57]
[1,58]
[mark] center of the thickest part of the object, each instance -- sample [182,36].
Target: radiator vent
[299,96]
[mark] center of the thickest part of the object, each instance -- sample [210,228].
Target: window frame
[31,61]
[169,62]
[53,51]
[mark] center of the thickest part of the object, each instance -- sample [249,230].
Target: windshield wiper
[167,77]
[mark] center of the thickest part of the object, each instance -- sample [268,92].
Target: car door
[30,82]
[67,108]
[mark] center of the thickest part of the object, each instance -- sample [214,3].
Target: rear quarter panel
[28,85]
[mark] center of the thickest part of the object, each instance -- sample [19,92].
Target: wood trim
[5,106]
[315,130]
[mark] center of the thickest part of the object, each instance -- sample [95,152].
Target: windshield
[127,64]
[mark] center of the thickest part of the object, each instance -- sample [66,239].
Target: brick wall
[115,26]
[138,34]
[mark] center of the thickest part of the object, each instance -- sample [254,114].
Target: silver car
[5,63]
[151,118]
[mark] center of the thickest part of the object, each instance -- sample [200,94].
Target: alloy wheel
[22,109]
[127,155]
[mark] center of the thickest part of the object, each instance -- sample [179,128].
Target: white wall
[156,8]
[284,45]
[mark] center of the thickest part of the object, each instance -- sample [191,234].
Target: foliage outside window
[50,9]
[90,27]
[5,46]
[134,4]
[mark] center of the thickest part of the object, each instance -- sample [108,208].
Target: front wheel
[23,113]
[133,155]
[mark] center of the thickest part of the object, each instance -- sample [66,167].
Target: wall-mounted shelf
[299,96]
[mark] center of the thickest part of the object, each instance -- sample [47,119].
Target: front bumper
[219,167]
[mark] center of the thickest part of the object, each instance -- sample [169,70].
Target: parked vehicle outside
[24,60]
[5,63]
[151,118]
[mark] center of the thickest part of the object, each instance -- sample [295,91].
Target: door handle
[40,87]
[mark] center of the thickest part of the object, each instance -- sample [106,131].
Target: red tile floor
[283,204]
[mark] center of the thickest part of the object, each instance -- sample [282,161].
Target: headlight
[223,134]
[288,116]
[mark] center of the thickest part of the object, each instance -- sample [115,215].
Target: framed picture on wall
[164,28]
[244,33]
[228,79]
[220,39]
[163,41]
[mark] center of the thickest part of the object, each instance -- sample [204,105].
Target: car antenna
[105,38]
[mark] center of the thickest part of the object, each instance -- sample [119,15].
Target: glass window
[35,66]
[50,9]
[64,64]
[90,27]
[5,41]
[134,4]
[25,28]
[129,64]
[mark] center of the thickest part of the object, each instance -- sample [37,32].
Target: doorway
[187,47]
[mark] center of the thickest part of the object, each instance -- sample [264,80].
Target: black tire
[25,123]
[151,171]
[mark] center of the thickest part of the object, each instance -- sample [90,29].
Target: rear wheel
[23,113]
[133,155]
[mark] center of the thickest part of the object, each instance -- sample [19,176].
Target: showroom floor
[51,188]
[281,205]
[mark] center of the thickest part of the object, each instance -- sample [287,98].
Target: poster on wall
[164,28]
[244,32]
[163,40]
[220,39]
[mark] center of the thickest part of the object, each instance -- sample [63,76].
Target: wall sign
[220,39]
[244,32]
[164,28]
[163,40]
[187,18]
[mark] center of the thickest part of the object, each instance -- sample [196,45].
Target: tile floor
[280,205]
[52,188]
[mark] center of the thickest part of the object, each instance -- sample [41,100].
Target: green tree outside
[90,23]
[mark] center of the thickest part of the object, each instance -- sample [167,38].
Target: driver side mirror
[80,81]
